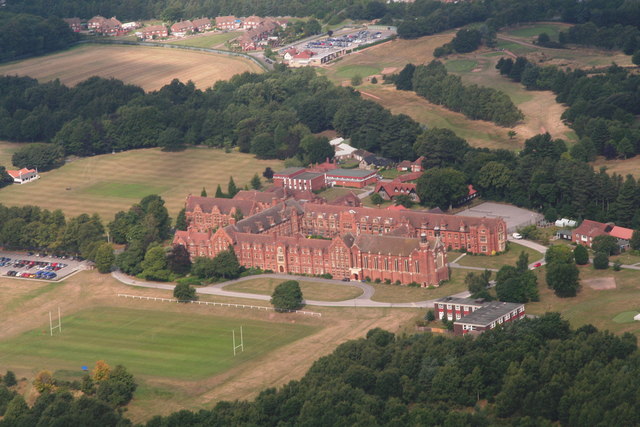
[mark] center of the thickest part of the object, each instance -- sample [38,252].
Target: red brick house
[406,165]
[588,230]
[390,190]
[208,213]
[153,32]
[180,29]
[251,22]
[228,23]
[74,23]
[476,316]
[202,24]
[107,27]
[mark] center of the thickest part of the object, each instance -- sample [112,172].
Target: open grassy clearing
[621,167]
[391,56]
[461,65]
[310,290]
[95,184]
[163,395]
[508,258]
[597,307]
[478,133]
[6,152]
[149,342]
[333,193]
[148,67]
[208,40]
[532,31]
[349,71]
[399,293]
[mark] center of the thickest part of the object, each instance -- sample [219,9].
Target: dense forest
[23,35]
[268,114]
[531,373]
[476,102]
[603,106]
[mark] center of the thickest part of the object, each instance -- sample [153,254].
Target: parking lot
[514,217]
[38,266]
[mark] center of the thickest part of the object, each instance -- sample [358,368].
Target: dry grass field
[6,152]
[310,290]
[147,67]
[109,183]
[24,307]
[621,167]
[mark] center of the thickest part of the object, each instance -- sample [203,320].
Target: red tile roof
[409,176]
[591,228]
[17,173]
[621,233]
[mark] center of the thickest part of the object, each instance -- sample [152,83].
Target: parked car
[537,264]
[517,236]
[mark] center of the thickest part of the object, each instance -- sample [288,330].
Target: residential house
[23,175]
[406,165]
[182,28]
[623,235]
[202,24]
[390,190]
[564,234]
[361,154]
[251,22]
[228,23]
[74,23]
[588,230]
[131,25]
[344,151]
[107,27]
[374,162]
[153,32]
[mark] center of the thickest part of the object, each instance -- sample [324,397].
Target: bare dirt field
[147,67]
[600,283]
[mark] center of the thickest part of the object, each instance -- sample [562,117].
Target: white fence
[220,304]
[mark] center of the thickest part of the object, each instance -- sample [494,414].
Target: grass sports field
[147,67]
[109,183]
[149,343]
[208,40]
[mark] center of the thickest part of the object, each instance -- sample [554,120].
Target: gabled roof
[621,233]
[591,228]
[154,28]
[267,218]
[225,206]
[182,26]
[201,21]
[395,188]
[409,176]
[17,173]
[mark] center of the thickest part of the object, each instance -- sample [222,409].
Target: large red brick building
[272,230]
[476,316]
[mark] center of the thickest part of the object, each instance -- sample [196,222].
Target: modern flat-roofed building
[475,315]
[357,178]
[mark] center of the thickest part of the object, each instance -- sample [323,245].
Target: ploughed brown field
[147,67]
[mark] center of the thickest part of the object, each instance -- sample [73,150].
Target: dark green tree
[178,260]
[154,266]
[376,199]
[117,390]
[105,258]
[232,190]
[403,200]
[441,187]
[256,184]
[478,284]
[581,255]
[219,193]
[9,379]
[522,264]
[559,254]
[441,148]
[601,261]
[5,178]
[226,264]
[184,292]
[203,193]
[563,278]
[268,173]
[181,220]
[42,157]
[635,240]
[605,243]
[287,296]
[203,268]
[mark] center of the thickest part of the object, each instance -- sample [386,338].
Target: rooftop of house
[202,21]
[592,228]
[489,313]
[393,245]
[477,302]
[17,173]
[621,233]
[350,173]
[288,171]
[182,25]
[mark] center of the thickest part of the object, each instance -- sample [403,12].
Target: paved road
[363,300]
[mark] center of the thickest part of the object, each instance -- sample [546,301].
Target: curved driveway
[363,300]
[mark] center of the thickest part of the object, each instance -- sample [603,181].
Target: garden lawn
[349,71]
[460,65]
[496,261]
[310,290]
[533,31]
[401,293]
[148,342]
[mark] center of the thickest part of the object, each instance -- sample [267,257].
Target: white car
[517,236]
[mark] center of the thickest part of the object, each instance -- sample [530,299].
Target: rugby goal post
[52,326]
[239,346]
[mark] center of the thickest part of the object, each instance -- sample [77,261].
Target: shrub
[184,292]
[287,296]
[581,255]
[10,379]
[617,265]
[387,281]
[601,261]
[430,316]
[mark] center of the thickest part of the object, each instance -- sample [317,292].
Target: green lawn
[349,71]
[508,258]
[333,193]
[122,189]
[533,31]
[310,290]
[625,317]
[461,65]
[93,184]
[398,293]
[513,47]
[208,39]
[153,343]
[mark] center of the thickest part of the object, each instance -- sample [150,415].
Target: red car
[537,264]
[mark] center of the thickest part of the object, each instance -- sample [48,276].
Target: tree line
[271,115]
[602,105]
[23,35]
[544,176]
[433,82]
[531,372]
